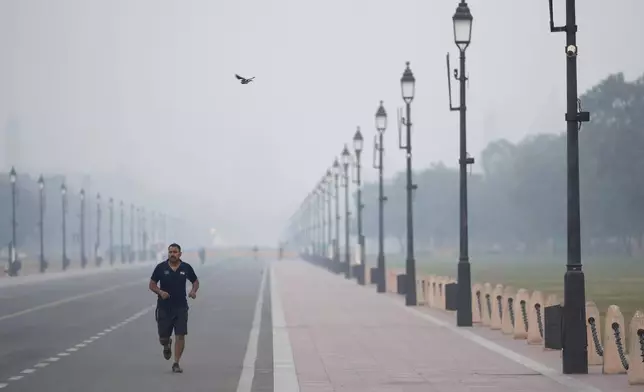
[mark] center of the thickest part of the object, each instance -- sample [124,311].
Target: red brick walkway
[345,337]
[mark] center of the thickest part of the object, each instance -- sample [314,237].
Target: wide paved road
[97,333]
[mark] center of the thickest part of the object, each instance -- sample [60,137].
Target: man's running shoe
[176,368]
[167,350]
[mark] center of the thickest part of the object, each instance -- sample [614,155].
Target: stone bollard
[431,290]
[636,350]
[446,280]
[438,299]
[497,307]
[521,314]
[436,290]
[486,302]
[615,359]
[507,319]
[535,318]
[420,290]
[477,291]
[426,290]
[392,281]
[594,334]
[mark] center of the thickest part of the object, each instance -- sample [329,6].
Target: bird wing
[239,77]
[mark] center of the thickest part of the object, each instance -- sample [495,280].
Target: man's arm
[194,280]
[195,286]
[154,279]
[154,288]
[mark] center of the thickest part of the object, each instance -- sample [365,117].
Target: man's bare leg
[179,344]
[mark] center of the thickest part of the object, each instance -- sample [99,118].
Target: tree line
[519,199]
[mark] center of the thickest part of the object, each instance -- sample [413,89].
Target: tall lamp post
[346,158]
[98,259]
[122,232]
[462,21]
[14,265]
[63,193]
[336,245]
[82,228]
[378,147]
[358,142]
[329,209]
[322,212]
[407,84]
[575,350]
[41,223]
[132,243]
[306,216]
[144,235]
[111,234]
[317,223]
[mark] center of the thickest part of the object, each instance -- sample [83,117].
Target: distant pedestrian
[202,255]
[172,304]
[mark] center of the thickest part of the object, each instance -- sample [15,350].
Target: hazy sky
[146,87]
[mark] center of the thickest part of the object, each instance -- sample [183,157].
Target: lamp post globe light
[358,144]
[346,160]
[408,89]
[462,21]
[378,147]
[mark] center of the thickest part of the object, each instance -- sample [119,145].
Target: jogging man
[172,304]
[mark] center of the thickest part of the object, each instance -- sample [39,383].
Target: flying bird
[244,80]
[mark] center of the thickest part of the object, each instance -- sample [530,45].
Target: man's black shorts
[172,318]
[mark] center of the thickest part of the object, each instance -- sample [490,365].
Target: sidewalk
[346,337]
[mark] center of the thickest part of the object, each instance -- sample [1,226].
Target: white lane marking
[248,372]
[70,299]
[538,367]
[284,375]
[70,350]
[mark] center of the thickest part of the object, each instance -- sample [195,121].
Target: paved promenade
[346,337]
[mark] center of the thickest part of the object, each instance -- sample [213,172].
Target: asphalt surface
[97,333]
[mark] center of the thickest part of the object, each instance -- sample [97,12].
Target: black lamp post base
[464,307]
[575,349]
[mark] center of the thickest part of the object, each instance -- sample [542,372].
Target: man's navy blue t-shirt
[173,283]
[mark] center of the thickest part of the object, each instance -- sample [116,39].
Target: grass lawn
[609,281]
